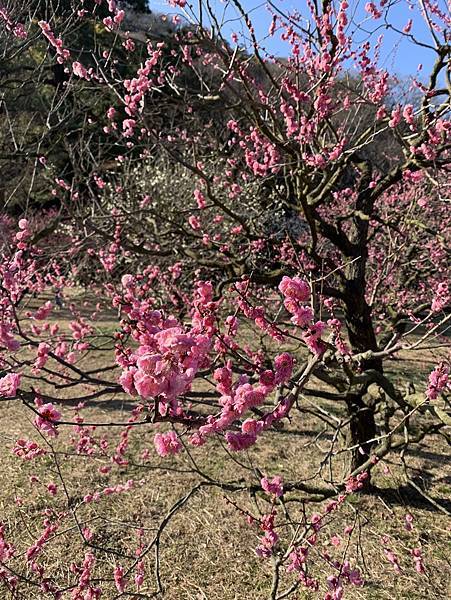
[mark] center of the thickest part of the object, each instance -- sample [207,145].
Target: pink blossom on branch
[62,53]
[167,443]
[27,449]
[7,339]
[295,288]
[442,297]
[9,385]
[79,70]
[17,29]
[47,419]
[119,578]
[439,379]
[273,486]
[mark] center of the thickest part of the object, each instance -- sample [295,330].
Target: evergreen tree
[138,5]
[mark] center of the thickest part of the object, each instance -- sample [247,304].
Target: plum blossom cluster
[439,379]
[273,486]
[299,555]
[256,313]
[296,293]
[120,488]
[79,70]
[17,29]
[43,311]
[346,574]
[114,21]
[168,358]
[57,43]
[297,299]
[270,537]
[392,557]
[7,552]
[239,397]
[266,523]
[85,588]
[35,549]
[47,418]
[262,156]
[9,385]
[137,87]
[417,556]
[442,297]
[7,338]
[27,449]
[167,443]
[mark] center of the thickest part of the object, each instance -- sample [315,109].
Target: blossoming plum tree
[269,234]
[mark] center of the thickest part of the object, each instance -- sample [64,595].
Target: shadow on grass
[127,405]
[408,496]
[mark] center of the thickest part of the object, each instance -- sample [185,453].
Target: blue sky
[399,56]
